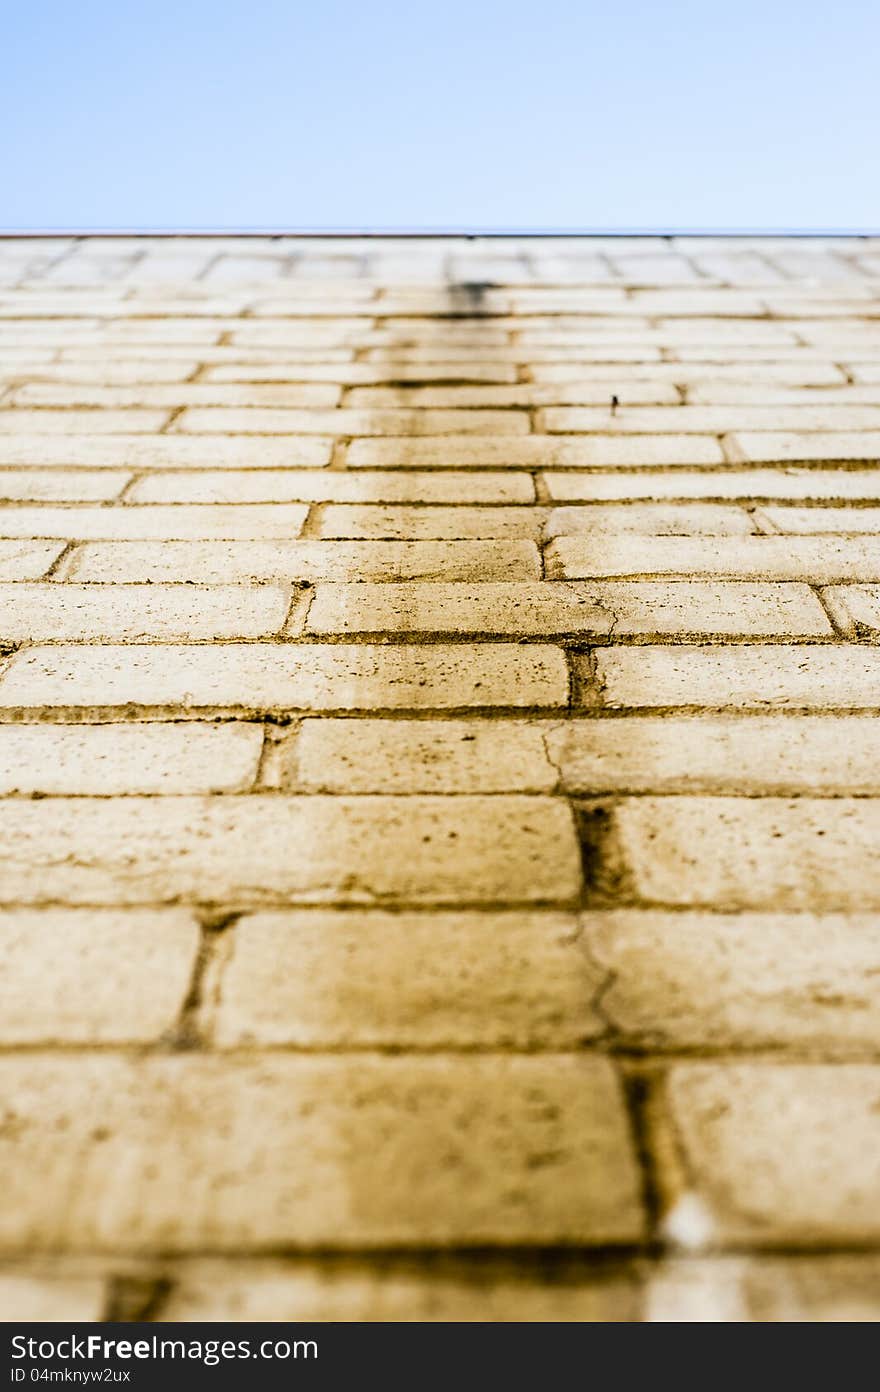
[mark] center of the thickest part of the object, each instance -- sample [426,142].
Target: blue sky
[347,114]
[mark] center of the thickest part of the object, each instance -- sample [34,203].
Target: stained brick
[822,559]
[93,976]
[85,523]
[445,1127]
[301,676]
[590,609]
[291,485]
[134,612]
[217,562]
[766,676]
[739,853]
[782,1153]
[354,979]
[710,981]
[129,758]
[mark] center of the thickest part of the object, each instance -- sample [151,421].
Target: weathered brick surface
[439,778]
[300,485]
[823,559]
[136,612]
[763,1141]
[27,560]
[718,981]
[432,1289]
[443,756]
[214,562]
[377,1149]
[731,852]
[762,677]
[99,976]
[321,979]
[589,609]
[182,757]
[163,523]
[263,849]
[299,677]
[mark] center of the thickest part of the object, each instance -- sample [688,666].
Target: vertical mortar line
[60,569]
[837,627]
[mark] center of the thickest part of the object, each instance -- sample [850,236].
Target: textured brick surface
[762,1142]
[378,1150]
[440,778]
[267,850]
[429,980]
[99,976]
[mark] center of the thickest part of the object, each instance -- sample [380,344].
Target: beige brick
[537,452]
[176,395]
[768,676]
[291,485]
[364,979]
[216,562]
[795,372]
[162,452]
[774,754]
[47,422]
[855,610]
[254,421]
[590,336]
[725,304]
[652,519]
[28,1296]
[867,372]
[93,976]
[118,373]
[793,1289]
[288,676]
[400,522]
[847,520]
[739,981]
[279,520]
[783,1153]
[27,560]
[334,333]
[129,758]
[407,756]
[398,335]
[357,373]
[823,447]
[31,612]
[741,853]
[760,394]
[612,351]
[483,1151]
[733,484]
[524,394]
[822,559]
[61,486]
[218,353]
[685,420]
[265,850]
[423,1290]
[677,608]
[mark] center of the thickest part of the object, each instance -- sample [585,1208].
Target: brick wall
[439,753]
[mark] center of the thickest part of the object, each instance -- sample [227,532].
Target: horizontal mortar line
[561,792]
[283,716]
[230,904]
[636,1261]
[575,638]
[732,1056]
[405,1050]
